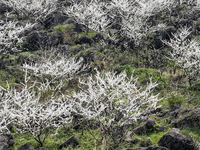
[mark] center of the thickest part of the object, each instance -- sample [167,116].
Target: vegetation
[98,91]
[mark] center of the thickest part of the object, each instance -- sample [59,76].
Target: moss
[90,34]
[175,100]
[82,52]
[75,46]
[86,140]
[68,27]
[99,53]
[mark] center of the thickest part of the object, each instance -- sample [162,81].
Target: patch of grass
[86,140]
[90,34]
[21,139]
[175,100]
[62,28]
[82,52]
[99,53]
[59,28]
[75,46]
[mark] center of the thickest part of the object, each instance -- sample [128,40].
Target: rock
[27,146]
[54,18]
[4,8]
[112,32]
[169,31]
[158,40]
[146,127]
[149,148]
[72,141]
[182,118]
[157,109]
[6,141]
[186,22]
[79,28]
[41,148]
[97,37]
[161,129]
[174,140]
[55,39]
[36,40]
[146,142]
[64,49]
[4,62]
[84,40]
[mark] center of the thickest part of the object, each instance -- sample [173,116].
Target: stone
[146,127]
[84,40]
[41,148]
[55,39]
[149,148]
[72,141]
[175,140]
[6,141]
[3,7]
[64,49]
[54,18]
[161,129]
[97,37]
[36,40]
[26,146]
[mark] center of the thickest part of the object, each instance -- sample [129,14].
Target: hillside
[99,74]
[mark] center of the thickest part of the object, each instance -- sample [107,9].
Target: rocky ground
[172,126]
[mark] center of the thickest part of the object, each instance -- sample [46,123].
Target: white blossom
[31,112]
[56,65]
[186,52]
[31,8]
[10,36]
[108,94]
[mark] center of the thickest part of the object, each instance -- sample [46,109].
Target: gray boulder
[54,18]
[175,140]
[72,141]
[146,127]
[36,40]
[3,7]
[55,39]
[27,146]
[149,148]
[41,148]
[6,141]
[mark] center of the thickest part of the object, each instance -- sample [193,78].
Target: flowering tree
[186,53]
[40,106]
[25,9]
[10,36]
[57,66]
[31,112]
[114,101]
[99,16]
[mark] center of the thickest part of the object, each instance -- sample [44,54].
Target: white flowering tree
[99,16]
[56,66]
[31,112]
[186,53]
[38,106]
[10,36]
[25,9]
[114,101]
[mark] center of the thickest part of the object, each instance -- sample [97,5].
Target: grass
[90,34]
[62,28]
[82,52]
[86,140]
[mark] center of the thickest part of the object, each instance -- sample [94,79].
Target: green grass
[62,28]
[90,34]
[82,52]
[86,140]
